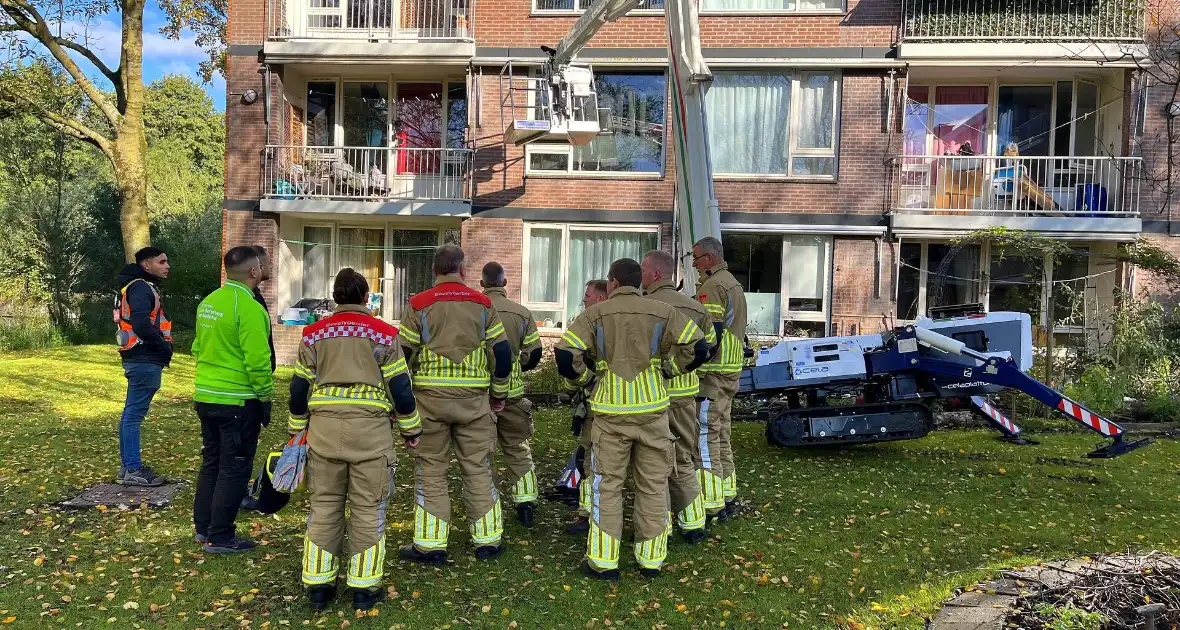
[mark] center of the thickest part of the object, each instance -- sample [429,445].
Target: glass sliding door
[365,123]
[418,127]
[410,258]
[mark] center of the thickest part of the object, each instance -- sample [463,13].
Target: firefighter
[514,425]
[350,381]
[684,490]
[594,293]
[629,345]
[458,355]
[722,296]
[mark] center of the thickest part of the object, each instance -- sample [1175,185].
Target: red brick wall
[254,228]
[500,240]
[1147,285]
[1155,150]
[867,23]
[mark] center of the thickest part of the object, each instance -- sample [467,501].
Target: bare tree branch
[90,56]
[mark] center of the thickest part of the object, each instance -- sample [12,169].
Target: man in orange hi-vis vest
[144,335]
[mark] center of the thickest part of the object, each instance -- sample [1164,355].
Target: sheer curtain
[747,5]
[749,121]
[544,266]
[364,250]
[410,258]
[806,269]
[317,255]
[817,116]
[590,256]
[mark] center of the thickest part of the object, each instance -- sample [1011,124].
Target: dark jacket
[154,349]
[270,337]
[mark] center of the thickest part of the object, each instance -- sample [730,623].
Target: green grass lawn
[874,536]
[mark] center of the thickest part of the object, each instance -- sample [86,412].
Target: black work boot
[410,553]
[524,514]
[650,574]
[320,596]
[590,572]
[489,552]
[579,527]
[366,598]
[722,516]
[695,536]
[731,508]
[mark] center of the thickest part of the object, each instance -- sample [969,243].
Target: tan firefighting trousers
[639,444]
[366,487]
[684,490]
[467,424]
[584,484]
[718,476]
[514,427]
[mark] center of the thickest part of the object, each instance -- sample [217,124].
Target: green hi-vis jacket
[232,348]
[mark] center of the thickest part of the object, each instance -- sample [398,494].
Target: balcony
[363,31]
[1007,29]
[368,180]
[949,195]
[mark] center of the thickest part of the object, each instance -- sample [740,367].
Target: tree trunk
[130,146]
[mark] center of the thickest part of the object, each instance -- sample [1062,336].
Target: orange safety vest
[125,336]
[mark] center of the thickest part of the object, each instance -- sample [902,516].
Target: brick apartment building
[852,141]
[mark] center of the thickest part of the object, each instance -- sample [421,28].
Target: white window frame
[557,148]
[579,9]
[391,93]
[331,225]
[841,10]
[793,151]
[785,301]
[563,276]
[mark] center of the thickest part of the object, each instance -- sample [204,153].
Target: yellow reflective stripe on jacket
[646,392]
[684,385]
[408,424]
[573,340]
[305,372]
[393,369]
[295,423]
[494,331]
[690,329]
[530,339]
[435,370]
[711,336]
[715,309]
[516,382]
[359,394]
[410,336]
[731,357]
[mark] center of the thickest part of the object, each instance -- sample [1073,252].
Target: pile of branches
[1104,595]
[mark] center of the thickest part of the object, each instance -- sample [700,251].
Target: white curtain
[590,256]
[544,266]
[410,258]
[817,5]
[805,272]
[363,250]
[749,118]
[747,5]
[317,253]
[817,93]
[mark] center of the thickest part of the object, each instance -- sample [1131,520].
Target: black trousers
[229,435]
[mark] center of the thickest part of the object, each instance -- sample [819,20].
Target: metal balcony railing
[372,20]
[367,173]
[1023,20]
[1093,187]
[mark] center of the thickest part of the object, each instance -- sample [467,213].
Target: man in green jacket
[233,392]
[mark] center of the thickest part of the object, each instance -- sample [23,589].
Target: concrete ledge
[924,225]
[435,53]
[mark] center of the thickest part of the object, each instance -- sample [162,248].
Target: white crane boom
[697,212]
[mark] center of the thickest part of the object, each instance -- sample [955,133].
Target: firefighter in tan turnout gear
[514,425]
[722,296]
[630,345]
[350,379]
[684,490]
[595,292]
[458,355]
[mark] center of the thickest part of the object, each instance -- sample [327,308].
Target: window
[321,113]
[425,115]
[777,123]
[934,274]
[632,142]
[757,261]
[560,259]
[395,262]
[567,6]
[1069,289]
[771,6]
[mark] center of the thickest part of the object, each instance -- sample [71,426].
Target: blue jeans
[143,381]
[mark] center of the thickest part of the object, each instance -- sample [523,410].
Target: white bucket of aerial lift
[1007,333]
[580,120]
[825,360]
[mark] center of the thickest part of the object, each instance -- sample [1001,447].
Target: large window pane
[1069,288]
[1086,120]
[817,117]
[590,256]
[749,118]
[960,119]
[1015,285]
[418,127]
[634,142]
[755,260]
[909,276]
[456,115]
[410,258]
[363,249]
[317,255]
[366,114]
[544,266]
[953,275]
[1024,119]
[321,114]
[806,272]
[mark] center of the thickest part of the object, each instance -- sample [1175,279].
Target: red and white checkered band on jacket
[331,328]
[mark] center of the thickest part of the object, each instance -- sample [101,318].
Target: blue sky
[161,56]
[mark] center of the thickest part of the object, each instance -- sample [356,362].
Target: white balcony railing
[372,20]
[1093,187]
[368,174]
[1023,20]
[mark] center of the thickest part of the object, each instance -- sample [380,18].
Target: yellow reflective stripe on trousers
[730,486]
[650,554]
[366,569]
[584,491]
[489,528]
[712,489]
[319,566]
[430,532]
[693,515]
[602,549]
[525,488]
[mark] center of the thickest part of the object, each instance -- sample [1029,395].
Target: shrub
[32,332]
[544,378]
[1100,389]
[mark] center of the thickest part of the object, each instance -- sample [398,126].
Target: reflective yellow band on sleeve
[295,423]
[690,329]
[531,338]
[393,369]
[573,340]
[408,424]
[305,372]
[495,331]
[411,336]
